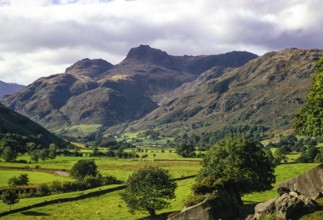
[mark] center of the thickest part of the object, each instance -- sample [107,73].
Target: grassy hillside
[13,122]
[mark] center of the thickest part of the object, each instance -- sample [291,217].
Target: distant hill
[13,122]
[97,92]
[9,88]
[266,91]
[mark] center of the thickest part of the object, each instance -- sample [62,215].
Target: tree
[44,154]
[148,190]
[238,163]
[9,154]
[84,168]
[52,151]
[34,156]
[185,150]
[10,197]
[22,180]
[309,120]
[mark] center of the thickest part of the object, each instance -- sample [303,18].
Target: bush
[194,200]
[56,187]
[107,180]
[43,190]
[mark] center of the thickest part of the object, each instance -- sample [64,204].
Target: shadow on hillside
[34,213]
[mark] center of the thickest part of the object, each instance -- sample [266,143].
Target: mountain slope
[9,88]
[13,122]
[264,92]
[96,92]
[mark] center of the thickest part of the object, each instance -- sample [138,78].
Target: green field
[282,172]
[34,176]
[120,168]
[110,205]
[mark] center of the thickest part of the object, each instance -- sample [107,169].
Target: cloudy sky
[42,37]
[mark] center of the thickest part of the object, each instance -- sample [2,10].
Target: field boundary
[76,198]
[61,200]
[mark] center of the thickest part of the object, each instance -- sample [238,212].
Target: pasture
[35,177]
[110,206]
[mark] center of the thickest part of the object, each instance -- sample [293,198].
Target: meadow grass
[31,201]
[109,206]
[34,176]
[120,168]
[283,172]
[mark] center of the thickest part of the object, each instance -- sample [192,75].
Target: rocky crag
[97,92]
[296,196]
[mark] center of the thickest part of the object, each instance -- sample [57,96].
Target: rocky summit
[97,92]
[266,92]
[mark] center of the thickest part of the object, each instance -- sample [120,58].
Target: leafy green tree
[84,168]
[309,155]
[279,156]
[185,150]
[309,120]
[22,180]
[52,151]
[96,151]
[238,163]
[319,157]
[9,154]
[44,154]
[34,156]
[148,190]
[10,197]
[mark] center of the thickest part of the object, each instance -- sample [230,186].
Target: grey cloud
[210,27]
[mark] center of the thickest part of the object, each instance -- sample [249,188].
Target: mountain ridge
[97,92]
[9,88]
[264,92]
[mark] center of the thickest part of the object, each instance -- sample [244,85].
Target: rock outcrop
[296,196]
[309,184]
[287,206]
[227,205]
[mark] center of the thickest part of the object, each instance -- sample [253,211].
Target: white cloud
[43,37]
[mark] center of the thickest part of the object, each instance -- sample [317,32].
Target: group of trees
[206,140]
[44,154]
[13,144]
[291,144]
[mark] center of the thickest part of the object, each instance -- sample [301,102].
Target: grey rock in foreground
[227,205]
[296,196]
[309,184]
[287,206]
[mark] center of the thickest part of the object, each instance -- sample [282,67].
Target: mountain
[15,123]
[266,91]
[97,92]
[9,88]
